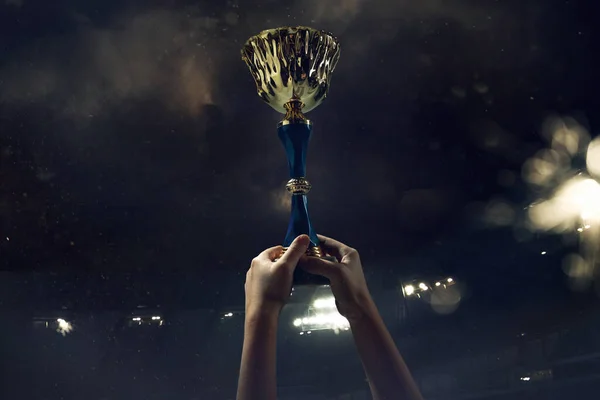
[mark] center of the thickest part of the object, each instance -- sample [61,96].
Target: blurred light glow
[409,290]
[565,134]
[540,169]
[327,320]
[593,158]
[573,199]
[155,318]
[450,280]
[576,199]
[64,327]
[136,319]
[423,286]
[438,284]
[446,301]
[579,271]
[543,253]
[525,378]
[499,213]
[324,302]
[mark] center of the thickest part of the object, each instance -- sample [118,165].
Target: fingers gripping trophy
[292,68]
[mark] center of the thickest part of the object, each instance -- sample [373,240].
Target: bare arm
[389,377]
[268,286]
[257,370]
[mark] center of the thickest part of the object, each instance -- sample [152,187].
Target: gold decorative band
[314,251]
[298,186]
[293,113]
[311,251]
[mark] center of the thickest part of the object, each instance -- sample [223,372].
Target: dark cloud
[160,54]
[344,13]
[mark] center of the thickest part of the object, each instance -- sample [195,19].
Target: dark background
[138,166]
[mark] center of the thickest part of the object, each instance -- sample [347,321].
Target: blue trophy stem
[300,222]
[295,138]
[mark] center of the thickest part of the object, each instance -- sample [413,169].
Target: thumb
[295,251]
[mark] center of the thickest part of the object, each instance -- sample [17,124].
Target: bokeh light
[63,326]
[572,195]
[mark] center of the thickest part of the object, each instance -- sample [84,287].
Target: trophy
[292,67]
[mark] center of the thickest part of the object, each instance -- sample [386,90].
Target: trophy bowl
[292,63]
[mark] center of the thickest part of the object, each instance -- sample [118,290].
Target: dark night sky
[132,138]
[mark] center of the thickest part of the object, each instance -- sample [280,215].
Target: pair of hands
[269,279]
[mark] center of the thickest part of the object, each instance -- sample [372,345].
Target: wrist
[364,310]
[263,313]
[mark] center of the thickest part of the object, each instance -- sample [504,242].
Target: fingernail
[304,239]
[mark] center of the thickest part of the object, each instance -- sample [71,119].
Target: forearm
[257,380]
[388,375]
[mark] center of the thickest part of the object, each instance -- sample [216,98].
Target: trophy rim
[265,32]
